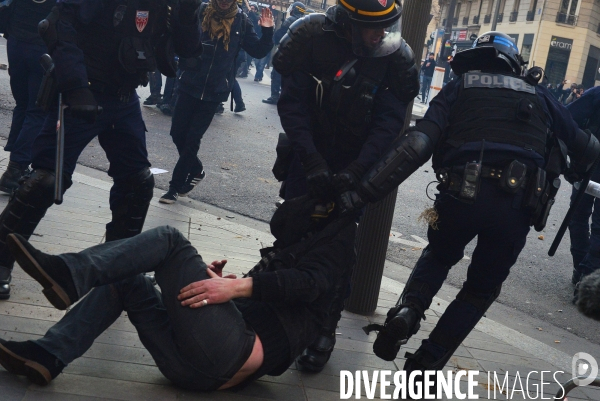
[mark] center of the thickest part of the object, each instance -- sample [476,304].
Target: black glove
[350,202]
[318,176]
[346,184]
[188,11]
[82,104]
[572,177]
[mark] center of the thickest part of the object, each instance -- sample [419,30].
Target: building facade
[561,36]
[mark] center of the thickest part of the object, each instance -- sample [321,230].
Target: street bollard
[374,228]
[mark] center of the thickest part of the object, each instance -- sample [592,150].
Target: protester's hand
[216,290]
[217,267]
[266,18]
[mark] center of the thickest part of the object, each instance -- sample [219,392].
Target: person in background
[427,69]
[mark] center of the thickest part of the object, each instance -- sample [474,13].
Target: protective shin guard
[27,208]
[130,199]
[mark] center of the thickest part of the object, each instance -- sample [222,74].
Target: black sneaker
[271,100]
[191,183]
[152,100]
[170,197]
[220,109]
[166,109]
[29,359]
[48,270]
[239,107]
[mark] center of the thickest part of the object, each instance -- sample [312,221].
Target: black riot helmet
[356,16]
[297,9]
[491,51]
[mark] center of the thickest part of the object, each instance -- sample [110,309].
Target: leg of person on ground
[191,119]
[185,342]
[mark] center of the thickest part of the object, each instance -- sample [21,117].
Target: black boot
[421,361]
[29,359]
[9,182]
[48,270]
[317,354]
[402,322]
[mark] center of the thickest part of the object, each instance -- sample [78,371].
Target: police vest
[118,46]
[25,17]
[498,108]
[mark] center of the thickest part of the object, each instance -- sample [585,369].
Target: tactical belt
[124,94]
[455,176]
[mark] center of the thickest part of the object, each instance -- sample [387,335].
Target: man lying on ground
[205,331]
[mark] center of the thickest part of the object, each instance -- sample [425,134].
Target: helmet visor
[376,41]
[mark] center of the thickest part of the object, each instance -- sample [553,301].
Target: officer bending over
[102,51]
[497,140]
[347,79]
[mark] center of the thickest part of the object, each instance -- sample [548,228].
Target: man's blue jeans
[585,240]
[200,348]
[425,88]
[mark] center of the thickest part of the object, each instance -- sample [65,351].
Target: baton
[563,227]
[60,147]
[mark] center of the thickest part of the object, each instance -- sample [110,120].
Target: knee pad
[130,199]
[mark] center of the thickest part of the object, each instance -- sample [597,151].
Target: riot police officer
[24,47]
[102,50]
[498,141]
[585,243]
[348,77]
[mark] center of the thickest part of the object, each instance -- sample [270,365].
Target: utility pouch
[136,54]
[540,218]
[513,177]
[535,188]
[469,186]
[284,158]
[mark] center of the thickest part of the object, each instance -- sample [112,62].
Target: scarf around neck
[218,22]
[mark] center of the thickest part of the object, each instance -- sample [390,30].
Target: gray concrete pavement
[117,367]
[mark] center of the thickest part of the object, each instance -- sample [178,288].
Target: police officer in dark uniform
[499,143]
[585,243]
[296,11]
[348,77]
[24,47]
[102,50]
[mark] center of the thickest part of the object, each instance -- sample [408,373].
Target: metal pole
[374,228]
[495,16]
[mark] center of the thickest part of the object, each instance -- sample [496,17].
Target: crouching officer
[499,143]
[102,51]
[348,77]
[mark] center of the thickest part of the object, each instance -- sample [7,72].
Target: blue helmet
[491,51]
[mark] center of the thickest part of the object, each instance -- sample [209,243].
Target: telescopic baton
[583,186]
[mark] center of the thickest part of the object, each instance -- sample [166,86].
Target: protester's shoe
[220,109]
[5,279]
[48,270]
[576,277]
[317,354]
[239,107]
[257,79]
[152,100]
[9,182]
[191,183]
[29,359]
[396,332]
[243,75]
[170,197]
[271,100]
[166,109]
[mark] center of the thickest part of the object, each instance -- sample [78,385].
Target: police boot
[9,181]
[317,354]
[402,322]
[22,215]
[422,361]
[129,201]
